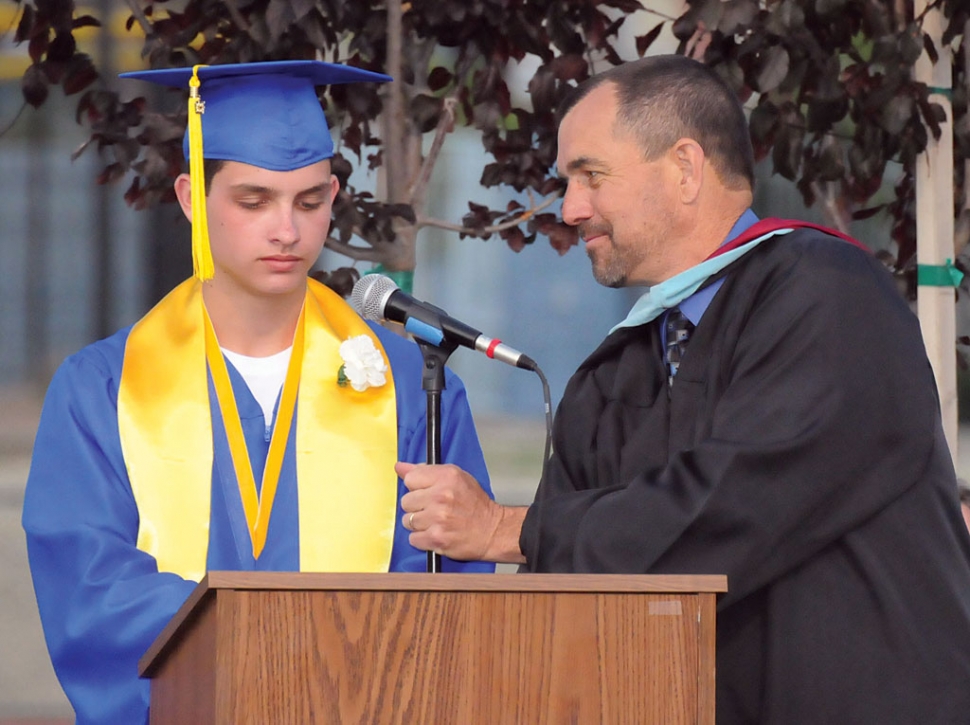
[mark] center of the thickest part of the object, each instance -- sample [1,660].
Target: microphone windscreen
[370,294]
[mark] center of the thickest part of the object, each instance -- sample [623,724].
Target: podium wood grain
[413,648]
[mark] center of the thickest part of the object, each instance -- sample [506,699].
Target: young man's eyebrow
[318,189]
[252,188]
[260,189]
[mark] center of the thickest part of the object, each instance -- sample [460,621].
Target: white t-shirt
[264,376]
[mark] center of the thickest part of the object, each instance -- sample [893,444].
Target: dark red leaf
[645,41]
[279,17]
[515,238]
[54,71]
[786,18]
[772,68]
[25,27]
[134,194]
[111,173]
[627,6]
[823,114]
[787,151]
[763,121]
[34,86]
[341,280]
[341,168]
[37,46]
[866,213]
[61,48]
[352,138]
[80,74]
[562,237]
[88,21]
[405,211]
[542,88]
[930,49]
[425,111]
[569,67]
[439,78]
[736,16]
[552,185]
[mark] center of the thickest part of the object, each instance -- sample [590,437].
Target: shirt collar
[696,305]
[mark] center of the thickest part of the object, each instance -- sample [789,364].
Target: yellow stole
[346,441]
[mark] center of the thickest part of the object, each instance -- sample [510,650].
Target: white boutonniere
[364,365]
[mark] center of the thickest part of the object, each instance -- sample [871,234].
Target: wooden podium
[282,648]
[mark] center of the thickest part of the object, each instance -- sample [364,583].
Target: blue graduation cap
[263,114]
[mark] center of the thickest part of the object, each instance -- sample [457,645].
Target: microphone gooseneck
[378,298]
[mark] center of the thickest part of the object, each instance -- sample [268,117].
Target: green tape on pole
[402,278]
[938,275]
[947,92]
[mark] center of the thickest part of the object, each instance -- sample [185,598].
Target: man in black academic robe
[789,436]
[830,510]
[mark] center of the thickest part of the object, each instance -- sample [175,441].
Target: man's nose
[575,205]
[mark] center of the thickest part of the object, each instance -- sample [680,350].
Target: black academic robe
[799,451]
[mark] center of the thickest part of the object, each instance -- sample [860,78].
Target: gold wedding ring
[411,522]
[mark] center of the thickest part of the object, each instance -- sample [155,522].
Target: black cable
[547,453]
[547,399]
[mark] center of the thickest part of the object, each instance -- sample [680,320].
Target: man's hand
[447,512]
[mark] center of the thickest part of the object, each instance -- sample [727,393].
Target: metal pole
[104,241]
[37,274]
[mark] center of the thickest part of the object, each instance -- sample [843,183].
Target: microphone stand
[433,382]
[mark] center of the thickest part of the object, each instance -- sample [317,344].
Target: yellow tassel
[201,252]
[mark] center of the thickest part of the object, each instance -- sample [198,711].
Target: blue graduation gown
[102,601]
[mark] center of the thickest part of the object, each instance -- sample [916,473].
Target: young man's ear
[183,192]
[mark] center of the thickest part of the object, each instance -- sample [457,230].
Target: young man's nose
[286,231]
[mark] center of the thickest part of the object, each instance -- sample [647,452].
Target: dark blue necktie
[677,331]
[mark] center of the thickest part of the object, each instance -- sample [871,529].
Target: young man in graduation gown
[250,421]
[766,411]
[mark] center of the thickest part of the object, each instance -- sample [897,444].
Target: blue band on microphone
[425,331]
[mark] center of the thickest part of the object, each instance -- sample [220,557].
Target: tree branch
[394,124]
[10,125]
[833,205]
[966,81]
[523,217]
[659,14]
[961,230]
[899,13]
[446,125]
[139,15]
[360,254]
[14,18]
[698,42]
[236,16]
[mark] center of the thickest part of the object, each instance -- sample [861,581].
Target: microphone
[377,298]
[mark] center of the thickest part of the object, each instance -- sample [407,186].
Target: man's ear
[689,158]
[183,192]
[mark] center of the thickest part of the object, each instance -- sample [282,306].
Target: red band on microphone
[490,350]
